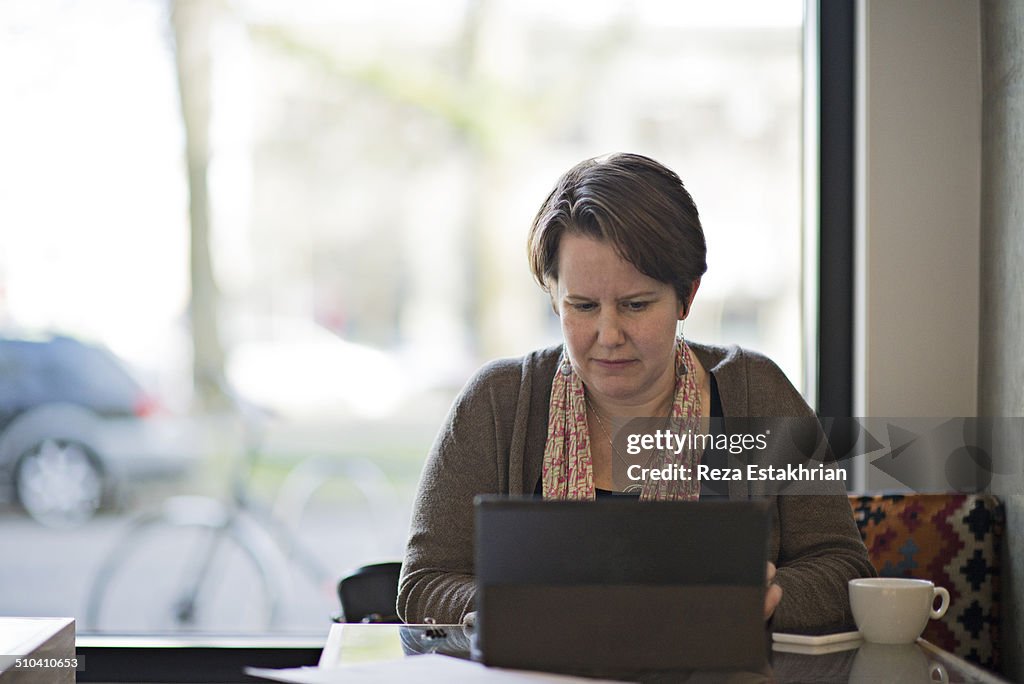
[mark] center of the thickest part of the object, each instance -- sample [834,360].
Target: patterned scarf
[568,469]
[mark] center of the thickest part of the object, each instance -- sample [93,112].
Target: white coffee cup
[894,610]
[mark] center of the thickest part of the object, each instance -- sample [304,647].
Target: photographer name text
[752,473]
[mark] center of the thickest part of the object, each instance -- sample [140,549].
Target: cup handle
[938,674]
[940,591]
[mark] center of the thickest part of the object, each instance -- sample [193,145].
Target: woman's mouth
[614,363]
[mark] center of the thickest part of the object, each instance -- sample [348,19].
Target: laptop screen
[617,585]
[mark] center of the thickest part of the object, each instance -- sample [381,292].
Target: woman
[619,247]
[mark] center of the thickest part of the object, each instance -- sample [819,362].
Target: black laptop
[621,586]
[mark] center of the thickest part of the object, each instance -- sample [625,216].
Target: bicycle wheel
[194,566]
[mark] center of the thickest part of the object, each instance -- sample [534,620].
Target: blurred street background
[240,236]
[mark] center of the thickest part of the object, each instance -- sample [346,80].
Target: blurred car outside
[76,429]
[300,370]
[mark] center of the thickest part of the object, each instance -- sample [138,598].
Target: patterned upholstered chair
[953,540]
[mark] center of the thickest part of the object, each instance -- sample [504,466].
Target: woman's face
[619,324]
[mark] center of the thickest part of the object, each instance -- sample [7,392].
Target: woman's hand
[773,594]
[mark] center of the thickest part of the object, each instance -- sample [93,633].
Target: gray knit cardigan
[493,442]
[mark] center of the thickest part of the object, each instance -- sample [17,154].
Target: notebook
[621,586]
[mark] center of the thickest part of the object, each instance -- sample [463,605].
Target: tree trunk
[191,22]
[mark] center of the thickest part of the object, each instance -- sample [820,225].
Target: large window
[362,178]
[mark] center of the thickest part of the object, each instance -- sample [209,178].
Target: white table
[37,650]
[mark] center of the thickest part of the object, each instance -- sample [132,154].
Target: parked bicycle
[203,564]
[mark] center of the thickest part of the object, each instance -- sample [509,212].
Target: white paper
[422,668]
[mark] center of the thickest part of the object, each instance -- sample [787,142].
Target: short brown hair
[632,202]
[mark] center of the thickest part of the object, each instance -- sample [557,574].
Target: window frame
[829,139]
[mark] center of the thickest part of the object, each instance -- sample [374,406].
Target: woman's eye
[584,306]
[637,306]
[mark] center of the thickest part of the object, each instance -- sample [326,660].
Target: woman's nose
[609,329]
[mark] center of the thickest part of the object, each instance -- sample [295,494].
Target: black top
[714,458]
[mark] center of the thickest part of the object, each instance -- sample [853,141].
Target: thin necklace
[600,423]
[607,434]
[636,487]
[633,488]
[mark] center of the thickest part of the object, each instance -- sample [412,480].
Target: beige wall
[923,318]
[920,150]
[1001,375]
